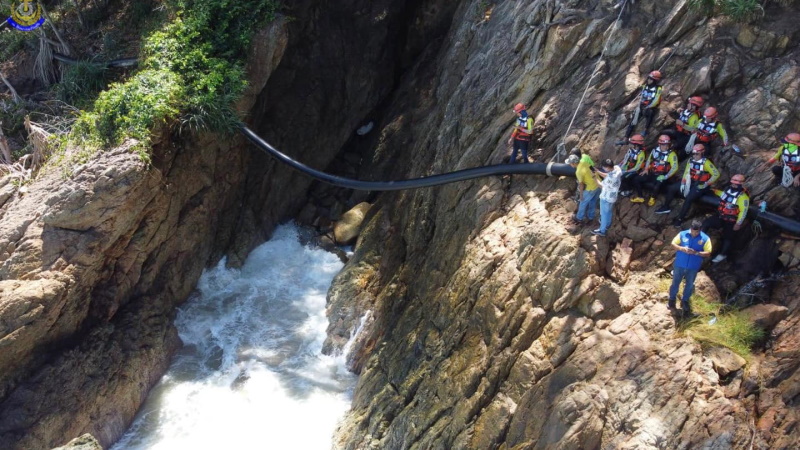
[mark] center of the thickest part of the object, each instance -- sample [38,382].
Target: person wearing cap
[789,157]
[734,202]
[685,124]
[691,247]
[588,189]
[709,129]
[632,163]
[661,165]
[649,101]
[609,179]
[522,133]
[699,175]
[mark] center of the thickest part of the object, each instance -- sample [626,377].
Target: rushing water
[251,374]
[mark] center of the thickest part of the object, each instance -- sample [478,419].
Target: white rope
[589,83]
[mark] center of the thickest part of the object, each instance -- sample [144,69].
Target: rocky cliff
[494,323]
[490,321]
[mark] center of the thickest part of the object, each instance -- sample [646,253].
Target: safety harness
[728,208]
[697,171]
[659,161]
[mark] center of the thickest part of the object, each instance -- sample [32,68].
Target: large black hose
[550,169]
[122,62]
[433,180]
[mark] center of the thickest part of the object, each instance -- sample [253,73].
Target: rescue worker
[521,136]
[661,165]
[588,189]
[692,246]
[699,175]
[649,101]
[789,156]
[685,124]
[708,130]
[632,163]
[734,202]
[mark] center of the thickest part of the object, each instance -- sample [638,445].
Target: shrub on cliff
[737,10]
[191,74]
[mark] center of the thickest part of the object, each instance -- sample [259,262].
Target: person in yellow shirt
[685,125]
[734,202]
[588,189]
[521,136]
[709,129]
[789,157]
[632,163]
[649,101]
[699,175]
[661,165]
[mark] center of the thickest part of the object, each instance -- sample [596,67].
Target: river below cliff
[251,373]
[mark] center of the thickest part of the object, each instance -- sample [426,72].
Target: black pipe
[781,222]
[551,169]
[122,62]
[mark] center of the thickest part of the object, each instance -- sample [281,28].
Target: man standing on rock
[608,196]
[692,246]
[588,189]
[521,136]
[734,202]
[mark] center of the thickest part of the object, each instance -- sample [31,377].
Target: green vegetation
[191,74]
[737,10]
[731,329]
[12,41]
[81,81]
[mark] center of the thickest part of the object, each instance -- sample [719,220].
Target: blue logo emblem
[26,15]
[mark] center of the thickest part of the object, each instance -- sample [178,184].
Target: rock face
[93,265]
[489,322]
[494,323]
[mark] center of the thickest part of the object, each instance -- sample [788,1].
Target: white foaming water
[251,373]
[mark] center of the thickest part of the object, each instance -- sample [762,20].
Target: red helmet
[519,107]
[710,113]
[636,139]
[664,139]
[656,75]
[792,138]
[699,148]
[696,101]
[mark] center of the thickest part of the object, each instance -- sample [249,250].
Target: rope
[562,146]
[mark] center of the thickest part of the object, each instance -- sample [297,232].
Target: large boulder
[346,230]
[766,316]
[724,360]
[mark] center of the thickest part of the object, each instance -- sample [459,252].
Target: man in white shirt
[609,178]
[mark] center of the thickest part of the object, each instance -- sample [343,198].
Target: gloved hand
[661,178]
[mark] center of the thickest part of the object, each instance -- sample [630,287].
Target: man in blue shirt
[692,246]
